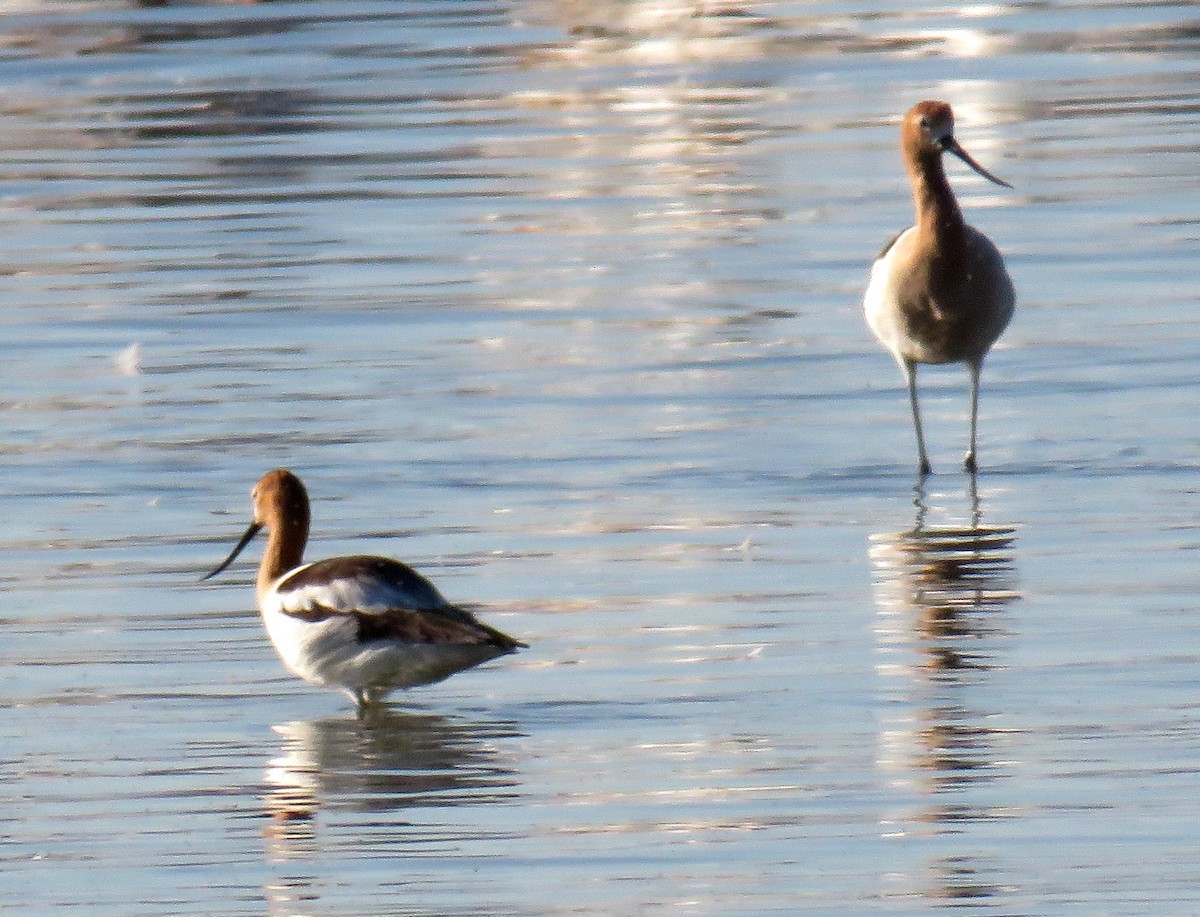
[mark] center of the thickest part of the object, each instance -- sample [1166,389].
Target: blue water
[561,304]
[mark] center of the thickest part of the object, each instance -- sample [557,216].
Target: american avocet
[938,291]
[366,625]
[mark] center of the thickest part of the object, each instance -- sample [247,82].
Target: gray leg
[969,462]
[909,368]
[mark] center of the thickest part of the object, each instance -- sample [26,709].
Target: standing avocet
[938,292]
[366,625]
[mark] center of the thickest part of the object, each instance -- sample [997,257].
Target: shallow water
[560,303]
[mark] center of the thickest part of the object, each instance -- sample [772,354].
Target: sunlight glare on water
[560,303]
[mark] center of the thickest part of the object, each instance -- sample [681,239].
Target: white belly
[329,653]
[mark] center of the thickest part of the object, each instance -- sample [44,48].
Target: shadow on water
[941,592]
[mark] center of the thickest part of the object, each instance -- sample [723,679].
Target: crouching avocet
[365,625]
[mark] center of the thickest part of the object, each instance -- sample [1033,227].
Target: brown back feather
[433,625]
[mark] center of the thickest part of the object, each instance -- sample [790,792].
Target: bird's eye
[924,122]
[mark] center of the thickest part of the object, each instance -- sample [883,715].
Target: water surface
[560,303]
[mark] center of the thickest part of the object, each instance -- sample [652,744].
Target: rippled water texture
[560,302]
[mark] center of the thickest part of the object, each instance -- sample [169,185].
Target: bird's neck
[285,552]
[938,215]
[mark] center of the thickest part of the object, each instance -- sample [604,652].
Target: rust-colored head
[281,505]
[279,496]
[928,131]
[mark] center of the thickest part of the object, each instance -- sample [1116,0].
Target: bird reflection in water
[331,773]
[941,592]
[944,582]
